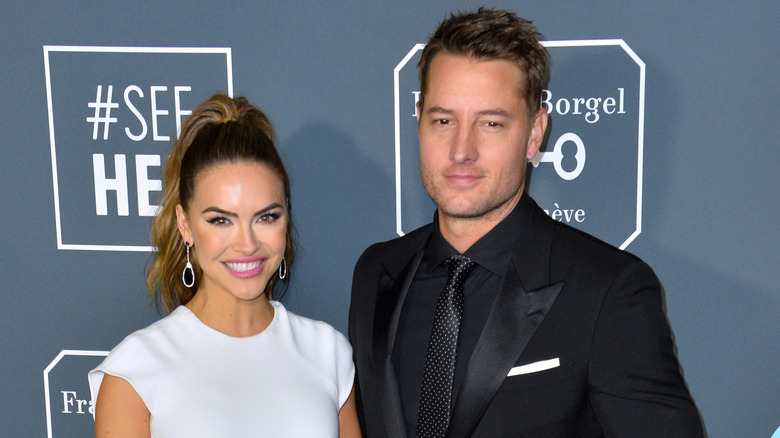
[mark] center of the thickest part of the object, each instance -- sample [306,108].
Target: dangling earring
[283,269]
[188,275]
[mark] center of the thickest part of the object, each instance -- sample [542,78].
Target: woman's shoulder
[161,334]
[151,348]
[303,328]
[325,349]
[145,357]
[317,341]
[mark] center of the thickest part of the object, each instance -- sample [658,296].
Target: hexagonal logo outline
[559,43]
[49,368]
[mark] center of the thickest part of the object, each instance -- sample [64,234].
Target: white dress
[288,381]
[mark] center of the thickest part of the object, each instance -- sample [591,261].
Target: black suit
[566,296]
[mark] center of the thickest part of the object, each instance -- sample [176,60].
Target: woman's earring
[283,269]
[188,275]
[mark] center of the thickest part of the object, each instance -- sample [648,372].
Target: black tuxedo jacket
[579,324]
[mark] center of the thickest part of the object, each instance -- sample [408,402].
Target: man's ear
[418,112]
[183,224]
[538,128]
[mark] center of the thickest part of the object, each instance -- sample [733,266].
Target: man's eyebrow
[495,112]
[437,110]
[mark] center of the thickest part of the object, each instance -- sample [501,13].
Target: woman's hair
[221,130]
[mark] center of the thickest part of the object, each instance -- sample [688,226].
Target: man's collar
[491,251]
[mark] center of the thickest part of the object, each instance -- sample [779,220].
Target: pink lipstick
[245,267]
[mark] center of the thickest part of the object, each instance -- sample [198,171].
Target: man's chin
[464,211]
[476,209]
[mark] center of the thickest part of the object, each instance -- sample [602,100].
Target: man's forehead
[452,76]
[445,63]
[475,60]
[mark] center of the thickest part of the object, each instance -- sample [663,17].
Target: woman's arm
[349,427]
[120,411]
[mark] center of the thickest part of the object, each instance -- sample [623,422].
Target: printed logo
[589,171]
[114,113]
[69,410]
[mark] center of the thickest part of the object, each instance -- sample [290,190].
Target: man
[496,320]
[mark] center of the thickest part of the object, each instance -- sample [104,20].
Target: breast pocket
[539,396]
[541,373]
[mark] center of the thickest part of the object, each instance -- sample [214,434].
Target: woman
[226,361]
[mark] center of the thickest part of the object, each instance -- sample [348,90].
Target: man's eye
[492,124]
[443,121]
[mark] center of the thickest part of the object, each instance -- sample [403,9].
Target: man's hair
[491,34]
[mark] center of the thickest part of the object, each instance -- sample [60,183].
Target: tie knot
[460,266]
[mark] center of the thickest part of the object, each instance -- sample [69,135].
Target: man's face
[476,136]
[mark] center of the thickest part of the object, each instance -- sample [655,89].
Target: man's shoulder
[564,239]
[382,257]
[391,249]
[574,247]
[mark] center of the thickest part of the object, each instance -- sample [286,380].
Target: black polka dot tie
[436,395]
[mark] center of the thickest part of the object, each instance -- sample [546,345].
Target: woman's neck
[232,316]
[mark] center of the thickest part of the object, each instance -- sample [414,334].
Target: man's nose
[464,146]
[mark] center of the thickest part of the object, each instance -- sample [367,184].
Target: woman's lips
[245,268]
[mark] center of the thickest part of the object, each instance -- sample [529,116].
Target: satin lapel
[522,303]
[391,294]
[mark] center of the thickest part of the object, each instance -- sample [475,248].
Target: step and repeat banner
[653,108]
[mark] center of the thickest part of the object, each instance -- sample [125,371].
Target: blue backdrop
[690,136]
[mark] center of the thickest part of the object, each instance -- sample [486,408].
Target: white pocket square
[534,367]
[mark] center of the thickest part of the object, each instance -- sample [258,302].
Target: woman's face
[237,224]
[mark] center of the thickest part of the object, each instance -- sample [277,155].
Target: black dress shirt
[492,254]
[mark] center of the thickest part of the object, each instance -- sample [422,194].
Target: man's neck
[462,233]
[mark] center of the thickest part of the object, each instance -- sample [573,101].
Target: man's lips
[461,178]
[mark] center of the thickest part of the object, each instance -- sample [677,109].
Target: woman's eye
[269,217]
[219,220]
